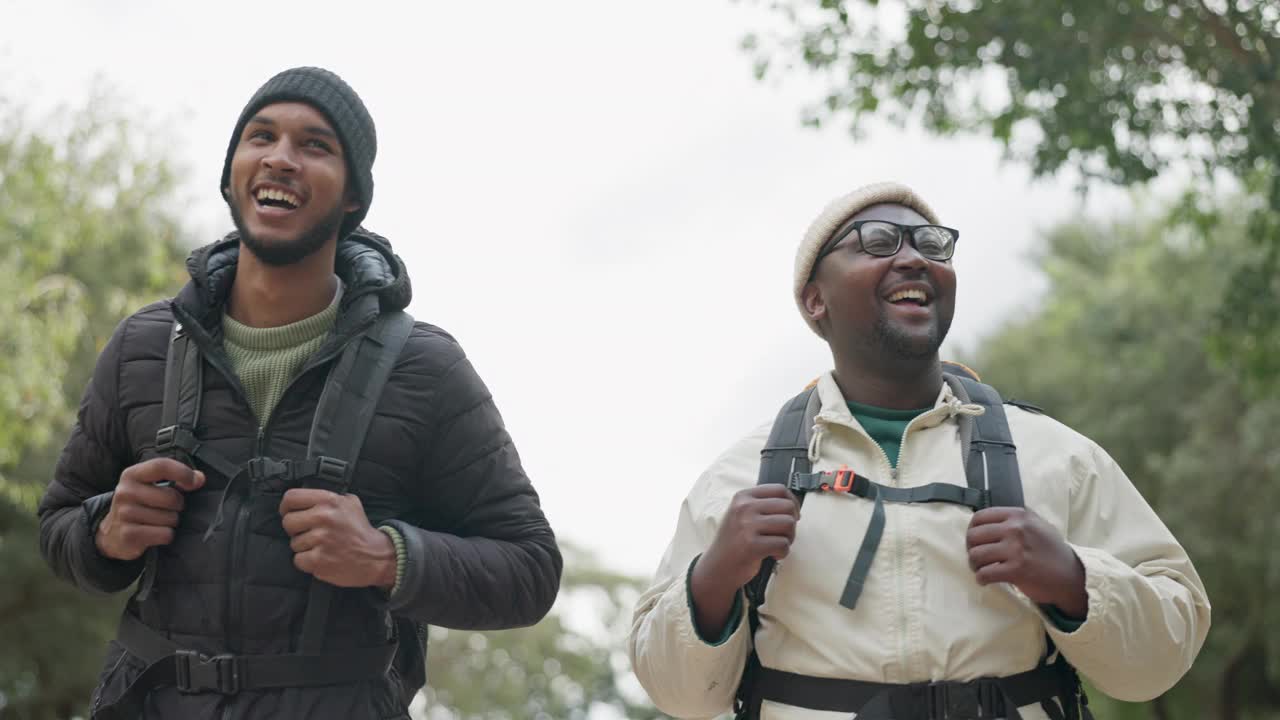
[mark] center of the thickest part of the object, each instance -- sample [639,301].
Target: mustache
[282,180]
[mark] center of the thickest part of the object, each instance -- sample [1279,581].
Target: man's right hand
[760,523]
[142,514]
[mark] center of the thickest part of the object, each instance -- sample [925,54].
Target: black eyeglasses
[884,239]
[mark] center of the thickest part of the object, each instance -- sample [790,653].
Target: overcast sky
[596,198]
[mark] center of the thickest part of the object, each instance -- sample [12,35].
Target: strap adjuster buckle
[166,438]
[972,700]
[198,673]
[266,468]
[331,470]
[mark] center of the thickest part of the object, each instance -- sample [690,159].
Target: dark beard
[288,253]
[897,345]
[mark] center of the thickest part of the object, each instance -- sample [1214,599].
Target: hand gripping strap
[785,453]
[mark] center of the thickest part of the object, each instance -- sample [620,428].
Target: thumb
[193,480]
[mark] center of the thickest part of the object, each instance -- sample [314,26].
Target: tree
[570,666]
[1117,351]
[1116,89]
[87,217]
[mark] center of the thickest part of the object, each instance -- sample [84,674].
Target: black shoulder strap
[785,454]
[179,414]
[183,383]
[992,461]
[338,431]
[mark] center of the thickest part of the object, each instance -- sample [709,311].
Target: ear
[351,203]
[814,304]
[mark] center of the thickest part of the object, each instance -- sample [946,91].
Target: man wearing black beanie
[296,475]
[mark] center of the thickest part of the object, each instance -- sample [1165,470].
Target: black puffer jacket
[437,464]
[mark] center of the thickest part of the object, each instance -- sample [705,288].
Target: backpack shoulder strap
[342,418]
[351,394]
[992,459]
[785,454]
[183,383]
[179,414]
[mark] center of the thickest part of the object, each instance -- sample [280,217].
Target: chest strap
[847,481]
[945,700]
[193,673]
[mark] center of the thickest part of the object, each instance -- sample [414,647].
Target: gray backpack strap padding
[991,461]
[342,418]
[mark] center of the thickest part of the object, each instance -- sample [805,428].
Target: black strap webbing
[785,453]
[985,697]
[179,412]
[854,484]
[849,482]
[993,458]
[191,672]
[338,430]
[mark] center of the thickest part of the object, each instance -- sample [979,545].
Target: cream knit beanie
[837,213]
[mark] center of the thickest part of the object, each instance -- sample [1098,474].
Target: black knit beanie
[343,108]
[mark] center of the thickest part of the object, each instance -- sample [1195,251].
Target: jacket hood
[364,261]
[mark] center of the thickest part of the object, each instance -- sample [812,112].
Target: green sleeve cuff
[1061,621]
[735,612]
[398,541]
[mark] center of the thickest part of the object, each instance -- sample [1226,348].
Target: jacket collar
[375,278]
[834,409]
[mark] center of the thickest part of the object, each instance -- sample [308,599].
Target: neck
[264,296]
[904,385]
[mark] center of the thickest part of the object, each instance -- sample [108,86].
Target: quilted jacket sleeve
[497,564]
[83,480]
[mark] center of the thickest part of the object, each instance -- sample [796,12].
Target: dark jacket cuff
[97,571]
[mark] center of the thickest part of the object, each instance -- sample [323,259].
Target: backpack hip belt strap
[944,700]
[193,673]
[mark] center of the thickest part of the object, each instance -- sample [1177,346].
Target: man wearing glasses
[908,592]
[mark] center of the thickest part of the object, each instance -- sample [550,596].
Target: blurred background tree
[1133,343]
[571,666]
[1118,90]
[1116,350]
[87,220]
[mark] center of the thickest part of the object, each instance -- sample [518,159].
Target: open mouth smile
[276,198]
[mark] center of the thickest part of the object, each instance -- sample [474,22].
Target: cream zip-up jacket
[922,616]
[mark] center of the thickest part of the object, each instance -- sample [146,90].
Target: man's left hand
[333,541]
[1016,546]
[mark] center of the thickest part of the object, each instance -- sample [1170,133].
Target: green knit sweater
[266,359]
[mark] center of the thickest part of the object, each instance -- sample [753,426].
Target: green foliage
[89,232]
[1118,351]
[566,667]
[1116,89]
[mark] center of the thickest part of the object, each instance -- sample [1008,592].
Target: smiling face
[884,309]
[288,183]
